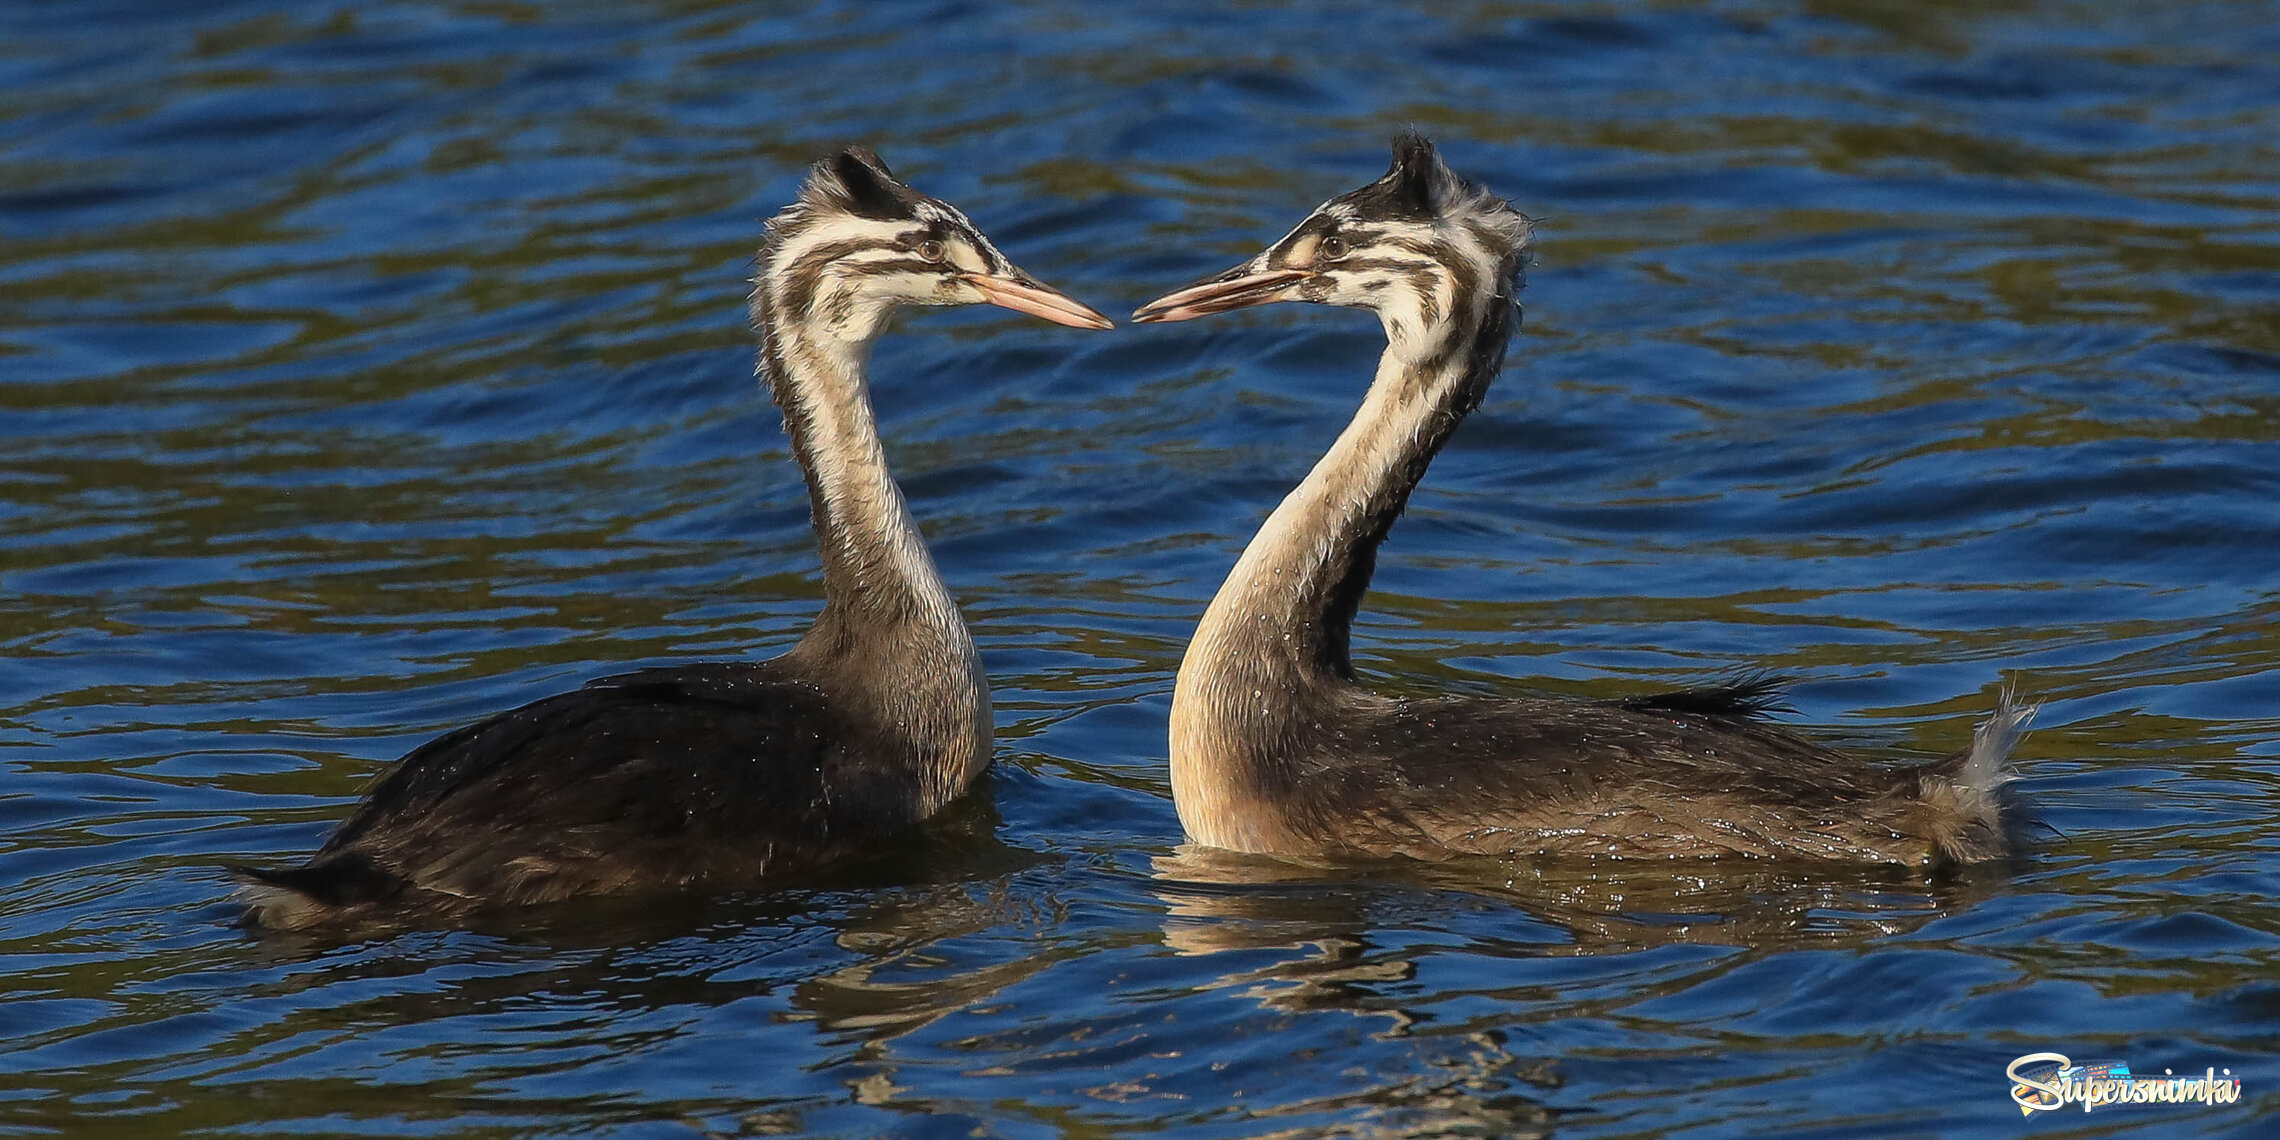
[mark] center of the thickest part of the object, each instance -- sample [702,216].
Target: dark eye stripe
[1459,267]
[803,276]
[1452,261]
[899,265]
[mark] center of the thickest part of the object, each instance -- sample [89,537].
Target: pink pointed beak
[1238,288]
[1025,294]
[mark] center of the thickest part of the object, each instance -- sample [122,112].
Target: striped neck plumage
[876,569]
[1303,575]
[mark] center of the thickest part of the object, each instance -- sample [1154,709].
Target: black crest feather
[1417,177]
[861,182]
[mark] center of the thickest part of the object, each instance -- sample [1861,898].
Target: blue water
[368,368]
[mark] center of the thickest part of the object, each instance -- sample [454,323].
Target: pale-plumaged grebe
[728,773]
[1277,749]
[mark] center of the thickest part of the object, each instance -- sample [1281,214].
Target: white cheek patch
[1373,288]
[966,258]
[1401,313]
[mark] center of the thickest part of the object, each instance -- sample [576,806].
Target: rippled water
[364,369]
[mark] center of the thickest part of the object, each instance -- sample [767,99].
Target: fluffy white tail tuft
[1989,768]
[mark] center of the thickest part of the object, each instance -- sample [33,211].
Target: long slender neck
[1272,651]
[1301,579]
[890,637]
[875,564]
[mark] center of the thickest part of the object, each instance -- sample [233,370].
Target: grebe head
[858,242]
[1421,247]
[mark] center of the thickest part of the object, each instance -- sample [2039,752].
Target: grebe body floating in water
[728,773]
[1277,749]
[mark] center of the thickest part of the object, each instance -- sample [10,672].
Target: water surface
[366,369]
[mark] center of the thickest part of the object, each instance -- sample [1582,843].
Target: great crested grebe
[727,773]
[1276,749]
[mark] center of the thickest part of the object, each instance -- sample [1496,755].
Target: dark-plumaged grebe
[1277,749]
[728,773]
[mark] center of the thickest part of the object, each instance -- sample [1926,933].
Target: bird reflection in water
[1221,900]
[1346,926]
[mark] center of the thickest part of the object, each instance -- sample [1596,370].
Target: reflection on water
[367,369]
[1217,900]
